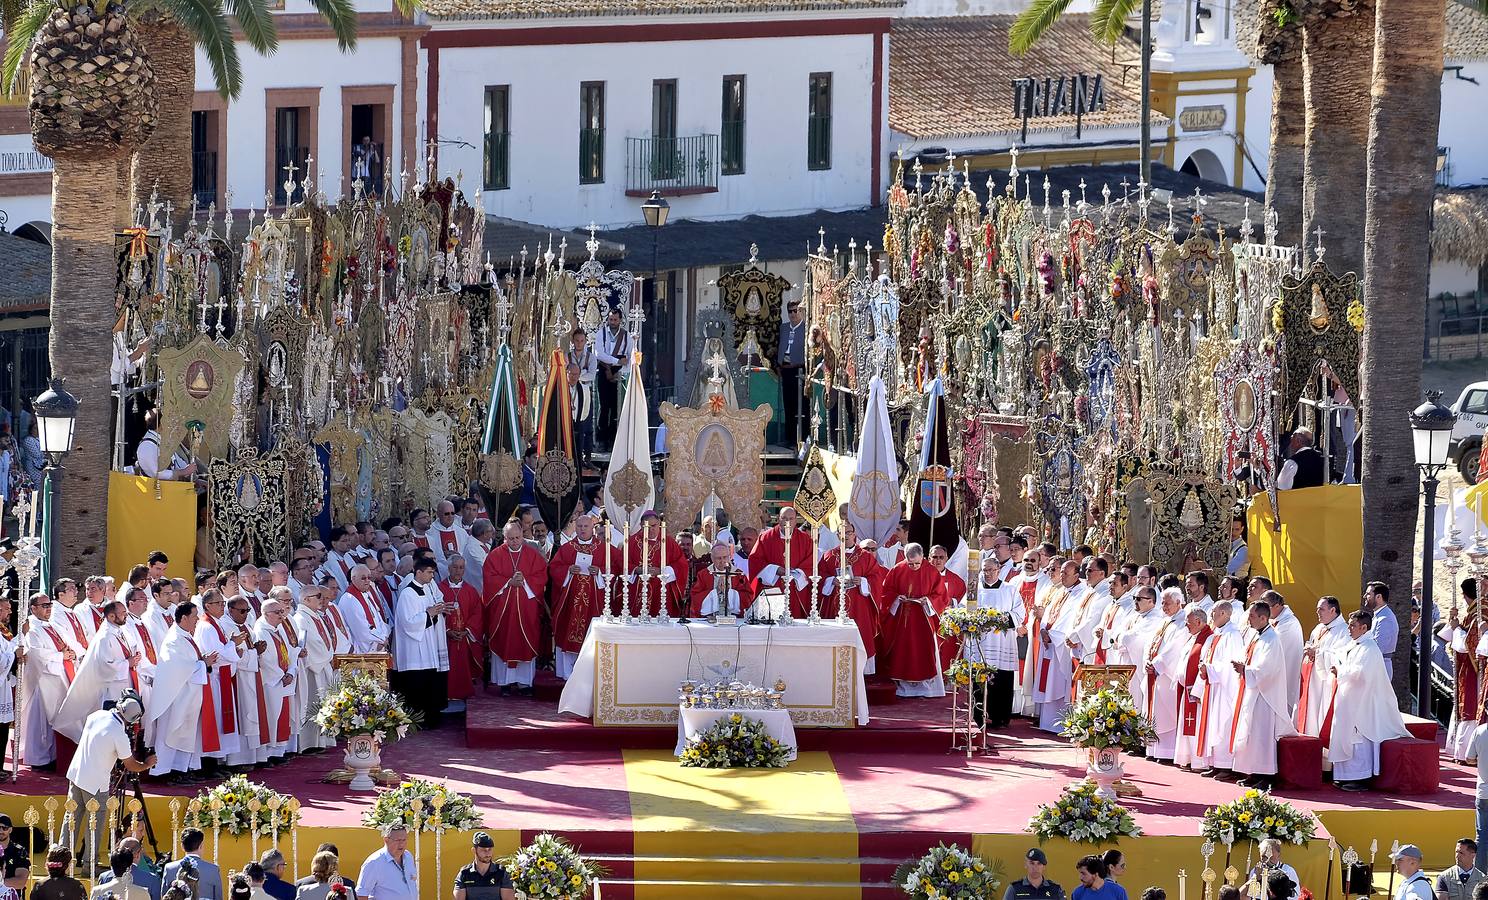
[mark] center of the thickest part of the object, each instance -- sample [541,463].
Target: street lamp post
[656,210]
[56,414]
[1431,426]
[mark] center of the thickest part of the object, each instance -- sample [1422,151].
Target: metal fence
[671,164]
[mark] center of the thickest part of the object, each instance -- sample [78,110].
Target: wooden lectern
[375,665]
[1090,679]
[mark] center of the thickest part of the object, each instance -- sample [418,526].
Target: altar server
[1216,690]
[421,644]
[364,612]
[720,589]
[911,655]
[1317,686]
[279,664]
[215,636]
[770,568]
[515,577]
[999,650]
[1262,715]
[465,632]
[105,672]
[1187,753]
[51,666]
[579,576]
[1365,714]
[857,581]
[182,721]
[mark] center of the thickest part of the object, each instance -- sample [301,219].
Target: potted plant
[229,807]
[1257,816]
[551,868]
[949,873]
[1105,724]
[1083,816]
[367,715]
[439,808]
[735,742]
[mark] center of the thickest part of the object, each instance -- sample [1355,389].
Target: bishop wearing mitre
[853,580]
[579,575]
[720,589]
[515,577]
[768,561]
[911,653]
[653,564]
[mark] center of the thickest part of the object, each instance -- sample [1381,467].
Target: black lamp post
[1431,426]
[56,415]
[656,210]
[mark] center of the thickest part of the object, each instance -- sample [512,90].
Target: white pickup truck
[1467,438]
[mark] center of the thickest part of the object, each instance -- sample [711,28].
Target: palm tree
[1280,45]
[86,115]
[1408,41]
[1108,23]
[1337,49]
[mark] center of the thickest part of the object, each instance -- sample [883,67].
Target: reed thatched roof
[1459,229]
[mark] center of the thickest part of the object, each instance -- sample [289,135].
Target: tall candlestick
[1451,513]
[661,585]
[785,616]
[610,579]
[625,570]
[841,573]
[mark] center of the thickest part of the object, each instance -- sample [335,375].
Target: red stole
[1240,695]
[422,540]
[77,626]
[366,607]
[448,542]
[338,623]
[1028,590]
[1189,705]
[281,727]
[1152,652]
[145,641]
[1052,613]
[210,741]
[98,617]
[67,665]
[228,685]
[1204,701]
[133,673]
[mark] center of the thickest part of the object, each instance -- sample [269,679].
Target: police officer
[1033,885]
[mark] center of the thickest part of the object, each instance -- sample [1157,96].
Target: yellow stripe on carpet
[772,824]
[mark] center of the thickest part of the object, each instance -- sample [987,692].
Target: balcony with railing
[672,165]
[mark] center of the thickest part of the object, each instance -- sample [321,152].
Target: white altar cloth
[695,721]
[630,674]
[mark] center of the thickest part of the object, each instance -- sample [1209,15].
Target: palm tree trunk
[1288,148]
[1402,176]
[123,196]
[162,164]
[1337,47]
[82,314]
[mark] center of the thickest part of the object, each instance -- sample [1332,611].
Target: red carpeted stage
[835,824]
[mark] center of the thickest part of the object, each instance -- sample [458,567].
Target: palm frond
[208,25]
[341,15]
[1033,22]
[1108,19]
[20,35]
[257,22]
[408,7]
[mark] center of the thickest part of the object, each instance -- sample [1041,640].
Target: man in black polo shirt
[483,879]
[15,858]
[1033,886]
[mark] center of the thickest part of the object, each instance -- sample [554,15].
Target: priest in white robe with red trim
[447,537]
[1161,674]
[1187,752]
[319,643]
[50,667]
[182,722]
[279,667]
[105,672]
[1329,641]
[1364,714]
[214,636]
[252,711]
[365,614]
[1215,689]
[1262,715]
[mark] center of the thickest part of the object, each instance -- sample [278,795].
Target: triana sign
[1058,95]
[1202,118]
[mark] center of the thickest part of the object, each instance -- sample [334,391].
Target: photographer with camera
[106,743]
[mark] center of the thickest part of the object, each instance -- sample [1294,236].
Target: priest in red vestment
[911,653]
[655,559]
[955,595]
[863,574]
[720,580]
[514,578]
[465,630]
[767,561]
[1188,755]
[577,572]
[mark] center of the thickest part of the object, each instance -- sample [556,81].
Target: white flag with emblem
[873,508]
[629,487]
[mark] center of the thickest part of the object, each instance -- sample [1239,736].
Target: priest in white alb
[1215,690]
[279,667]
[251,709]
[1329,639]
[364,613]
[320,646]
[181,723]
[1365,714]
[447,537]
[1053,671]
[1262,715]
[50,667]
[214,636]
[1289,632]
[1159,677]
[105,672]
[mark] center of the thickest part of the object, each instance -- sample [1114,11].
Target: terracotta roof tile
[1467,32]
[952,76]
[569,9]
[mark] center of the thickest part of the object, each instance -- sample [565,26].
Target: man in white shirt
[147,455]
[103,742]
[1415,884]
[390,873]
[1262,715]
[613,352]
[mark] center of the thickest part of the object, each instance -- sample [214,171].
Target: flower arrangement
[225,807]
[965,671]
[1255,817]
[958,622]
[552,869]
[356,704]
[735,742]
[949,873]
[1084,817]
[396,805]
[1108,718]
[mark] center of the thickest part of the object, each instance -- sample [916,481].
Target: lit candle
[661,572]
[625,567]
[1451,502]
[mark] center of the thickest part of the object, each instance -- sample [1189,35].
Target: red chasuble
[769,550]
[1188,705]
[910,647]
[466,652]
[955,591]
[649,549]
[581,598]
[863,610]
[703,585]
[514,617]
